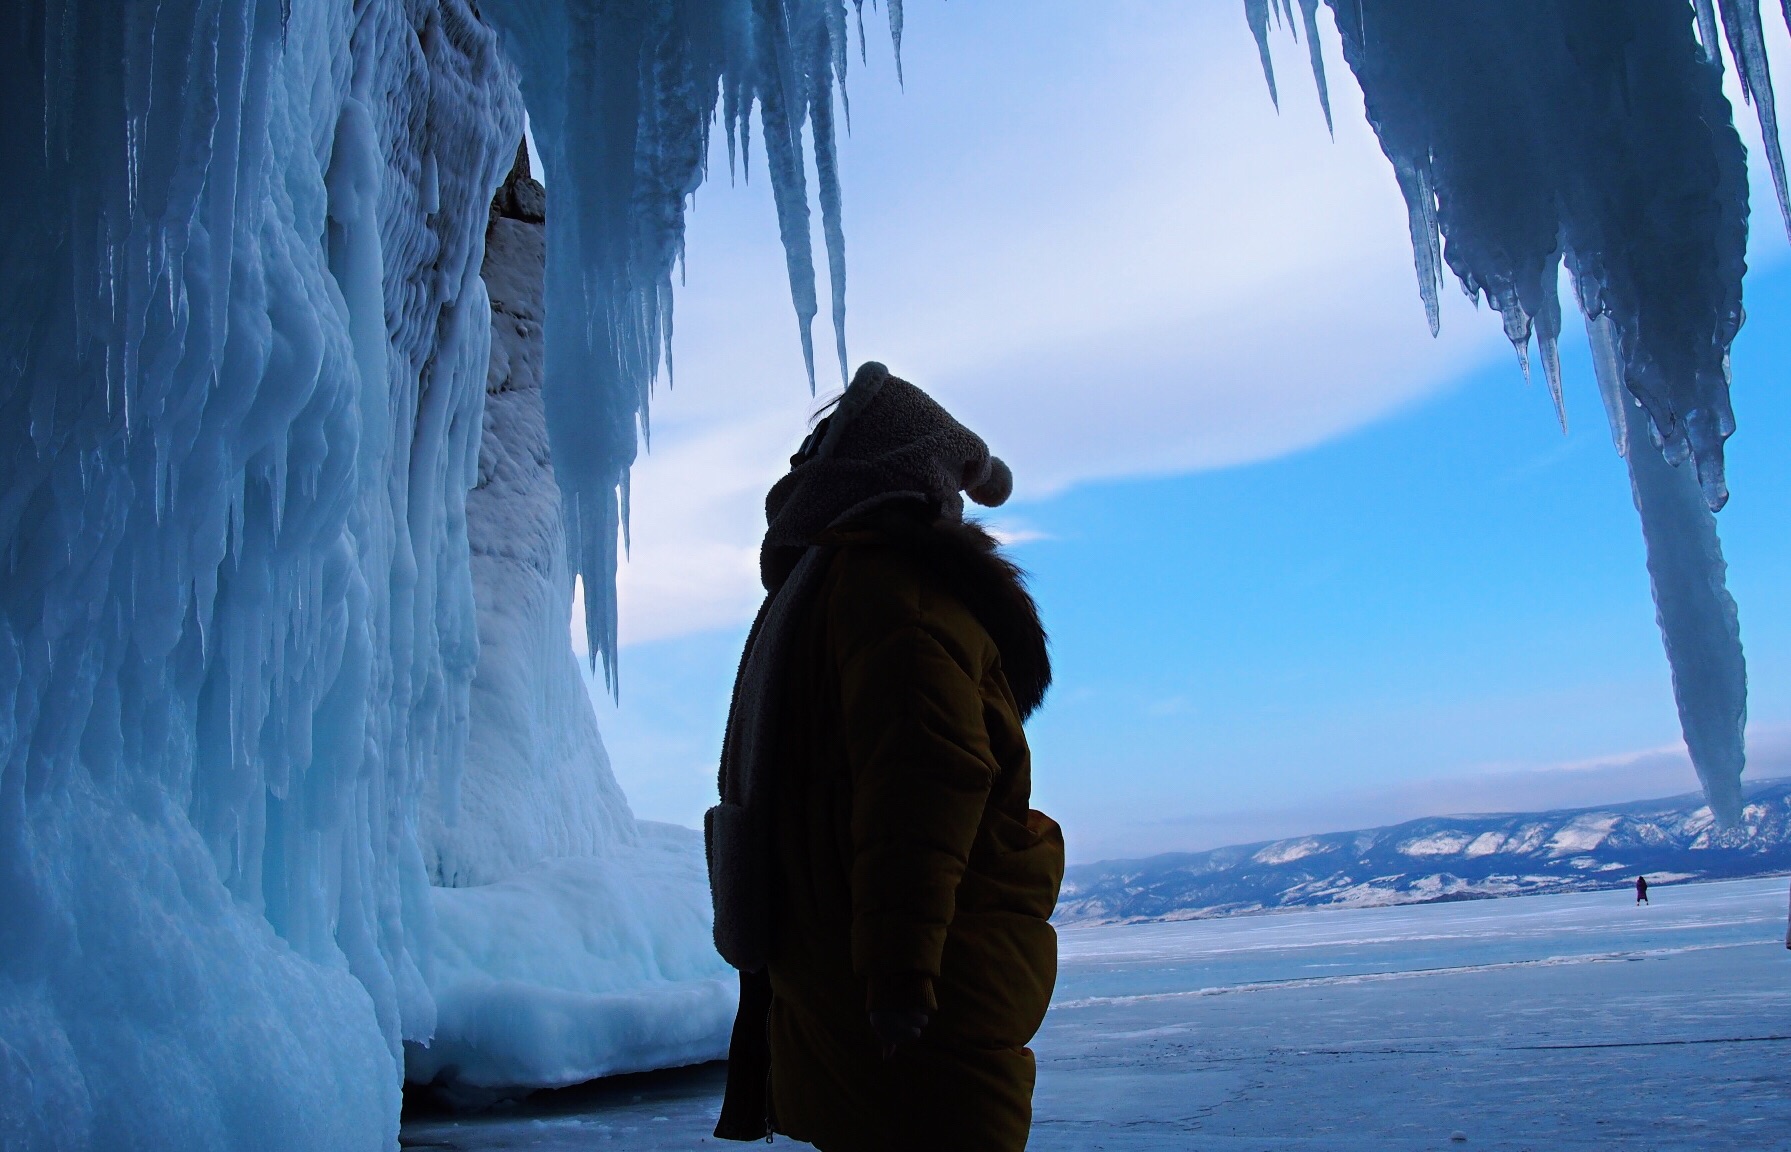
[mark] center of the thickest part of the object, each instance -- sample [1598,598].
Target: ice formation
[621,99]
[1536,132]
[579,967]
[1698,621]
[246,345]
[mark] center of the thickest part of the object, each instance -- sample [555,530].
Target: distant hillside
[1444,858]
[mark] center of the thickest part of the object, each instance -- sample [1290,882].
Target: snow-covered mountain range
[1445,858]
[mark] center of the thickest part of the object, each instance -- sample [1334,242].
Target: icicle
[1309,12]
[781,112]
[1546,318]
[1257,13]
[1698,620]
[1707,34]
[1741,21]
[832,64]
[1427,244]
[1549,346]
[611,319]
[895,36]
[1609,370]
[827,177]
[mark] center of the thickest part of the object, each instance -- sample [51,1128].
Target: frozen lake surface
[1576,1021]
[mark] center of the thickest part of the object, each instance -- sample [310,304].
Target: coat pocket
[996,979]
[735,843]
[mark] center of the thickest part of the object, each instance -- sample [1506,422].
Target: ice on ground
[579,968]
[1573,1023]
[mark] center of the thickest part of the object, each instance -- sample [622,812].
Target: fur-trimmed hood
[970,562]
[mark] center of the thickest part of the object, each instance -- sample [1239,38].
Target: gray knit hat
[886,438]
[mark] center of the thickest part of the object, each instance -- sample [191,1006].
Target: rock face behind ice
[536,782]
[570,942]
[1445,858]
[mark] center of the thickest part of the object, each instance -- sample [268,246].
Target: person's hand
[894,1028]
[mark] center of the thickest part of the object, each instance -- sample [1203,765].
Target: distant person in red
[1641,889]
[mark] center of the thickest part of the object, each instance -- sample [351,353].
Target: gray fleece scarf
[886,441]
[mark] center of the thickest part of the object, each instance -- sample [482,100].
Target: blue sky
[1304,566]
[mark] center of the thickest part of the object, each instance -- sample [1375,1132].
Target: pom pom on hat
[994,489]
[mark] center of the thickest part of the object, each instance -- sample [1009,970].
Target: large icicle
[1530,132]
[621,98]
[1697,616]
[1747,43]
[1536,129]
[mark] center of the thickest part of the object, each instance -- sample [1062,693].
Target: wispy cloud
[1109,255]
[1086,229]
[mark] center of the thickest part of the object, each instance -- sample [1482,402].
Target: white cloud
[1088,232]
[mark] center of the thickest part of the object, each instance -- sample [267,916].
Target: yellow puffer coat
[910,871]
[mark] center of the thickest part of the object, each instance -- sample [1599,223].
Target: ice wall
[1532,132]
[621,99]
[244,343]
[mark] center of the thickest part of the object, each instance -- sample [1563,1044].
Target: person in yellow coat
[880,877]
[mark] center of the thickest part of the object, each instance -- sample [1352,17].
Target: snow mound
[579,968]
